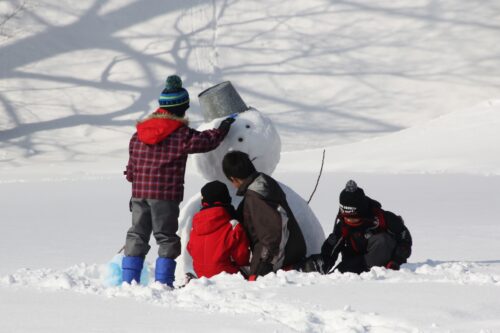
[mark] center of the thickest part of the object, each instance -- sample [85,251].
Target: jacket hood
[209,220]
[158,126]
[373,206]
[246,183]
[263,185]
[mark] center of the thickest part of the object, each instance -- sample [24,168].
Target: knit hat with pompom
[353,201]
[174,98]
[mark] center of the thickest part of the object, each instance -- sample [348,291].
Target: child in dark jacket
[158,153]
[275,236]
[365,235]
[217,242]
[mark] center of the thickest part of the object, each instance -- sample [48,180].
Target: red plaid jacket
[158,153]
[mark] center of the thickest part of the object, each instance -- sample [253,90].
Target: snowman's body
[254,134]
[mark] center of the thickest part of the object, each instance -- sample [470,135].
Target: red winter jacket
[217,243]
[158,153]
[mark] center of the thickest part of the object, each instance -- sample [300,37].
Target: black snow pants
[379,250]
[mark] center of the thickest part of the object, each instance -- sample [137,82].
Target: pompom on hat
[174,98]
[353,201]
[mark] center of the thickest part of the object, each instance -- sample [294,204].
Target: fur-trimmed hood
[164,114]
[158,126]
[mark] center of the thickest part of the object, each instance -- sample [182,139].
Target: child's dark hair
[237,164]
[215,192]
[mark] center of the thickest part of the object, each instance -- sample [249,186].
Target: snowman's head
[252,133]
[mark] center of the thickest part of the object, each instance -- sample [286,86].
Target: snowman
[252,133]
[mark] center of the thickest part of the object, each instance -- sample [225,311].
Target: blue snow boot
[131,268]
[165,271]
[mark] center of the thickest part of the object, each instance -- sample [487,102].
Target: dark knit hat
[214,192]
[174,97]
[353,200]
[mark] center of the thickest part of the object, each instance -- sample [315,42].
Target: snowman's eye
[240,139]
[248,126]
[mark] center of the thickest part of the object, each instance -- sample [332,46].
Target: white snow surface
[403,96]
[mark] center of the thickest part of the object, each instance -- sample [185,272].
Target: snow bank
[231,294]
[458,142]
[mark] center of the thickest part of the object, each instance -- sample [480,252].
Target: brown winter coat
[274,233]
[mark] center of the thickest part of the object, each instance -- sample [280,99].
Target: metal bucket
[220,100]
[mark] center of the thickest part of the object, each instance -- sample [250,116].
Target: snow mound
[231,294]
[457,142]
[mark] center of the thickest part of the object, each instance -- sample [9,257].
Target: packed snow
[403,97]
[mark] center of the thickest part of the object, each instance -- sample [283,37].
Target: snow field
[403,96]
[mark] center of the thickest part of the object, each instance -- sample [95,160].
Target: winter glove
[326,249]
[402,252]
[393,265]
[226,124]
[315,263]
[252,277]
[355,264]
[263,268]
[263,265]
[328,264]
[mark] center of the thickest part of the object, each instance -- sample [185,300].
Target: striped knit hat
[174,98]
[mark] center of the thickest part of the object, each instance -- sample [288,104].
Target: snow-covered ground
[56,250]
[404,97]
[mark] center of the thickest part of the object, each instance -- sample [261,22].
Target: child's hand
[263,268]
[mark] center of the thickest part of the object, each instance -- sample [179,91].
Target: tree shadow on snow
[294,55]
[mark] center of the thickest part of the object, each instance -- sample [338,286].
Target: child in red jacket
[217,243]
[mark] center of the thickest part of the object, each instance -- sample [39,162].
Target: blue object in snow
[114,273]
[144,275]
[165,271]
[132,267]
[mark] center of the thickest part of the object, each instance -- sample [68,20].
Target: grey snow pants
[379,250]
[159,217]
